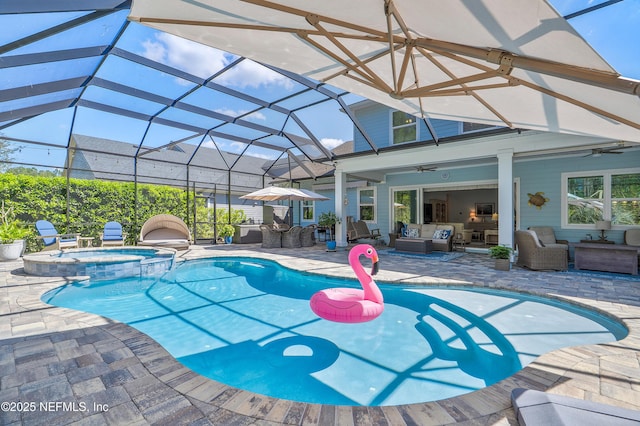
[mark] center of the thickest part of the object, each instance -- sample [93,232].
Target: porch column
[505,197]
[340,193]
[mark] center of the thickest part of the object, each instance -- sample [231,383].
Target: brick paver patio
[59,366]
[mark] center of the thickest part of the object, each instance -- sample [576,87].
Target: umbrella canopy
[275,193]
[514,63]
[271,193]
[311,196]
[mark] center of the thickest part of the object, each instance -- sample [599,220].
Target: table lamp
[603,225]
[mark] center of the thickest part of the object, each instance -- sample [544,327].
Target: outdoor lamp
[603,225]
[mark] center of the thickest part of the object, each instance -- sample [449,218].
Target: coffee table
[606,257]
[414,245]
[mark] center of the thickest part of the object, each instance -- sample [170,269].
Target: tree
[6,153]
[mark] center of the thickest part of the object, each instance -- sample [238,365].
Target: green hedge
[92,203]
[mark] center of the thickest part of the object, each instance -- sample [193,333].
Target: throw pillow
[445,234]
[437,234]
[412,233]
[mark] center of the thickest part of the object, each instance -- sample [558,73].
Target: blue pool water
[247,323]
[104,253]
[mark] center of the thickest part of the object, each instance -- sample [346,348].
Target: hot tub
[100,263]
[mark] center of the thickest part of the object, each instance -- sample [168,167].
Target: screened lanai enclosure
[89,96]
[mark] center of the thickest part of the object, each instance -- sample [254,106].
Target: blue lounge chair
[52,239]
[112,235]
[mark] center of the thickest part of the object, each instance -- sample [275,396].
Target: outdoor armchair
[533,255]
[632,237]
[271,238]
[307,237]
[52,239]
[112,235]
[291,237]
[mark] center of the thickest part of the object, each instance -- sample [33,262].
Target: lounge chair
[53,240]
[534,255]
[165,230]
[112,235]
[359,229]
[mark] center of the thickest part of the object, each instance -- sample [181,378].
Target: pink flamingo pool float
[348,304]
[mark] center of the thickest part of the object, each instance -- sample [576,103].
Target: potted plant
[502,255]
[329,220]
[226,232]
[11,235]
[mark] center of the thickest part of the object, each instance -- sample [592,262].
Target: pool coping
[603,373]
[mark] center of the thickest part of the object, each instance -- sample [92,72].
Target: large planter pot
[228,240]
[503,264]
[11,251]
[331,246]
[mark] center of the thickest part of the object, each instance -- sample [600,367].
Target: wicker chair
[270,237]
[533,255]
[307,237]
[165,230]
[632,237]
[291,238]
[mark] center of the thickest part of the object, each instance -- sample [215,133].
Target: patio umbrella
[272,193]
[514,63]
[276,193]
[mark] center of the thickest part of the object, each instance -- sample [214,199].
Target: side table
[459,243]
[85,241]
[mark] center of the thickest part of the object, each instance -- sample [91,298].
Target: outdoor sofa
[440,234]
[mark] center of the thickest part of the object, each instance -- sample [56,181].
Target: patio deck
[55,355]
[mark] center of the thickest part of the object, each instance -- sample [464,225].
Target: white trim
[391,127]
[332,186]
[313,206]
[375,203]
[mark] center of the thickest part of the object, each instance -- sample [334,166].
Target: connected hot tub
[100,263]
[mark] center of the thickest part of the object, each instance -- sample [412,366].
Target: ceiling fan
[421,169]
[597,152]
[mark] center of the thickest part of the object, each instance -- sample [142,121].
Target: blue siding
[376,120]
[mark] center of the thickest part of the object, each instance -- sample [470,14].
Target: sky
[613,31]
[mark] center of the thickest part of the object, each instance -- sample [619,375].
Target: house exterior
[528,178]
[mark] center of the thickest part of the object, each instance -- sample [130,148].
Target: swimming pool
[100,262]
[247,323]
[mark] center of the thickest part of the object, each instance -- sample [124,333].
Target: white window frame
[606,197]
[313,208]
[392,128]
[374,204]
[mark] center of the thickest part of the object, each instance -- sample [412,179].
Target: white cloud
[204,61]
[197,59]
[331,143]
[250,74]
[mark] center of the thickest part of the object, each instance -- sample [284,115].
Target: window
[366,204]
[608,195]
[404,127]
[476,127]
[308,210]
